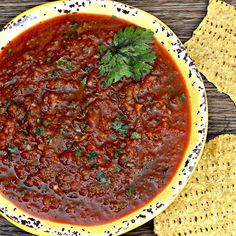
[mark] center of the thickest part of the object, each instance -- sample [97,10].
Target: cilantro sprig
[130,55]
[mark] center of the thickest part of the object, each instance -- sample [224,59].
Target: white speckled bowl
[199,116]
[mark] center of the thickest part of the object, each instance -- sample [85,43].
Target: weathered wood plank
[183,17]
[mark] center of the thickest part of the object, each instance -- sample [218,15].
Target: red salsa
[73,150]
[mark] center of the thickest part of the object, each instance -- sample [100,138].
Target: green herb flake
[130,164]
[123,162]
[78,153]
[62,131]
[120,116]
[25,131]
[101,48]
[117,169]
[24,187]
[74,26]
[46,188]
[114,17]
[27,146]
[117,153]
[49,139]
[39,131]
[135,135]
[64,64]
[79,126]
[45,123]
[53,74]
[120,127]
[121,206]
[103,178]
[13,150]
[70,35]
[86,69]
[84,82]
[77,106]
[94,109]
[92,156]
[170,88]
[49,59]
[42,121]
[150,99]
[183,97]
[10,196]
[7,103]
[65,35]
[130,55]
[130,191]
[80,30]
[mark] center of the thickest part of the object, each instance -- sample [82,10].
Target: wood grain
[183,17]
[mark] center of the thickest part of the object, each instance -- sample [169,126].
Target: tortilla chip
[213,47]
[207,206]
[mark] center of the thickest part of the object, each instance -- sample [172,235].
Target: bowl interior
[198,103]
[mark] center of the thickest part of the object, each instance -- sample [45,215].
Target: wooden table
[183,16]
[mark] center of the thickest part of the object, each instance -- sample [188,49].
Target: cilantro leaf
[141,65]
[129,56]
[114,67]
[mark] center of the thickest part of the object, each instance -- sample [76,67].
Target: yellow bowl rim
[108,229]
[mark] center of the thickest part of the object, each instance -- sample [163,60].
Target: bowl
[199,116]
